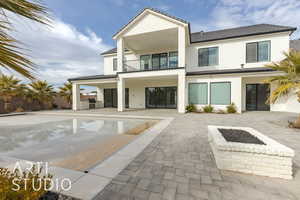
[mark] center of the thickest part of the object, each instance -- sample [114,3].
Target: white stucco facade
[152,33]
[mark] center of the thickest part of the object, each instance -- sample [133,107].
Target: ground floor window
[161,97]
[220,93]
[257,96]
[198,93]
[111,98]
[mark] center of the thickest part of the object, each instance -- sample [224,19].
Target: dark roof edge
[230,71]
[247,35]
[82,78]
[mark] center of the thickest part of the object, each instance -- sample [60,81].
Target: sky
[82,29]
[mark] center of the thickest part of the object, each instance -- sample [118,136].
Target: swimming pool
[73,142]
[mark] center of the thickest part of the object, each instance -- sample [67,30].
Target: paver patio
[179,163]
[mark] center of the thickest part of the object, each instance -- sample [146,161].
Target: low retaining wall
[272,159]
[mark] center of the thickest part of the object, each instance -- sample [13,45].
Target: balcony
[152,62]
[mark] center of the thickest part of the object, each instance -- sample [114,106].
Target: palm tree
[10,87]
[42,92]
[10,56]
[289,81]
[66,92]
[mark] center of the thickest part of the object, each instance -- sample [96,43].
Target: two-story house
[160,63]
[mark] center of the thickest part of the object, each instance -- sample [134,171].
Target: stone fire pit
[246,150]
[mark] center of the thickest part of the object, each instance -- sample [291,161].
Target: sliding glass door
[256,97]
[161,97]
[111,98]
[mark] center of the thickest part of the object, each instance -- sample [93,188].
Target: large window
[115,64]
[173,59]
[220,93]
[198,93]
[208,56]
[145,62]
[258,51]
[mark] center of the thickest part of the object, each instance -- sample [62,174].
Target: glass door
[111,98]
[256,97]
[161,97]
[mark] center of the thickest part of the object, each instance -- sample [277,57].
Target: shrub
[8,184]
[19,109]
[208,109]
[231,108]
[190,108]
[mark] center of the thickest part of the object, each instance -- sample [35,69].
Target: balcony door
[161,97]
[160,61]
[256,97]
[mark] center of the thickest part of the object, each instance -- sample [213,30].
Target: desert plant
[231,108]
[42,92]
[66,92]
[12,184]
[288,82]
[11,58]
[10,87]
[190,108]
[208,109]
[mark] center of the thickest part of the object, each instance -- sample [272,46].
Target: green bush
[12,184]
[208,109]
[231,108]
[190,108]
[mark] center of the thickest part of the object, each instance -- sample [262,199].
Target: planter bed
[246,150]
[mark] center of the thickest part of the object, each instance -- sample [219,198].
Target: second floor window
[258,51]
[208,56]
[145,62]
[115,64]
[173,59]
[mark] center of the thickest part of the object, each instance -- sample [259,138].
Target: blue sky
[82,29]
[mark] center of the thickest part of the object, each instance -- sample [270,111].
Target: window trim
[218,57]
[211,92]
[257,55]
[207,92]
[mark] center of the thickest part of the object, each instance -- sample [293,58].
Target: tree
[42,92]
[66,92]
[289,81]
[10,87]
[11,58]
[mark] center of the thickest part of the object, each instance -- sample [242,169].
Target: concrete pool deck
[88,185]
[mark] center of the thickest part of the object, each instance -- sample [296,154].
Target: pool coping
[88,185]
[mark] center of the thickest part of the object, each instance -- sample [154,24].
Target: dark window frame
[211,92]
[257,51]
[169,65]
[218,57]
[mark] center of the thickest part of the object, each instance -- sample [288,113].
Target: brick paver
[179,163]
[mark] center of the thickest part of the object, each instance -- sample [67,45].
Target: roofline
[83,78]
[151,10]
[247,35]
[230,71]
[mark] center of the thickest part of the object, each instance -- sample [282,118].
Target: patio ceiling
[153,41]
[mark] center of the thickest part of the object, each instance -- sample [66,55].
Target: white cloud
[232,13]
[60,51]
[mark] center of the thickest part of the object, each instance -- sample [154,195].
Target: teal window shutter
[198,93]
[220,93]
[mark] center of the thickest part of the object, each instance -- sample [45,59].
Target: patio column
[100,96]
[76,96]
[181,92]
[121,95]
[181,47]
[120,53]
